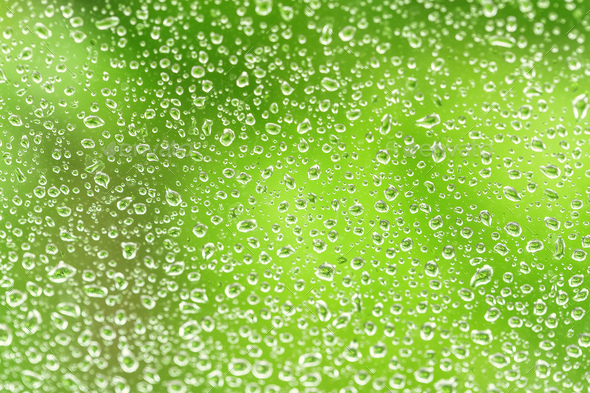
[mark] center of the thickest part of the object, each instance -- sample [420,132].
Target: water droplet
[534,246]
[537,144]
[42,31]
[129,250]
[102,179]
[15,120]
[438,152]
[227,137]
[314,172]
[482,337]
[383,157]
[173,198]
[200,230]
[513,229]
[243,80]
[61,273]
[551,171]
[385,127]
[330,84]
[285,252]
[429,121]
[581,106]
[304,127]
[489,8]
[5,335]
[511,194]
[93,121]
[128,361]
[273,129]
[482,276]
[325,272]
[436,223]
[247,225]
[107,23]
[347,33]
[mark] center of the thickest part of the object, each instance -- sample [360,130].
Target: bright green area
[294,197]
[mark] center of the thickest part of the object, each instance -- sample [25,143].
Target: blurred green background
[294,196]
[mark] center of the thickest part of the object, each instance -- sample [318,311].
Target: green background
[201,196]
